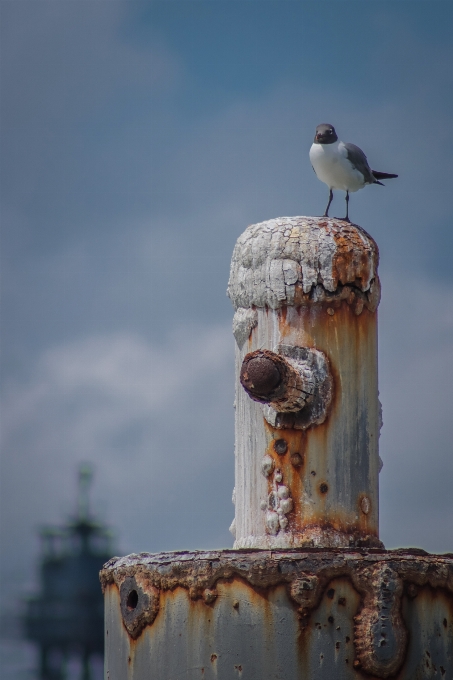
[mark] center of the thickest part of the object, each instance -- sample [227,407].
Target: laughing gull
[341,166]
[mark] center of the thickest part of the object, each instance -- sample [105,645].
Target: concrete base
[281,615]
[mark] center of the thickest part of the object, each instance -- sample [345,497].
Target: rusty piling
[306,292]
[309,592]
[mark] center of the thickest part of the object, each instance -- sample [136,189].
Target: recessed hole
[330,619]
[132,600]
[280,447]
[330,593]
[313,473]
[296,459]
[342,601]
[323,488]
[445,623]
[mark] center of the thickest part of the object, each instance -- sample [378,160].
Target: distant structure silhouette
[67,617]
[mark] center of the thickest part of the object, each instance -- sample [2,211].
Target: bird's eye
[329,132]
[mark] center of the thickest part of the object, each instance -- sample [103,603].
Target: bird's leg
[346,219]
[326,213]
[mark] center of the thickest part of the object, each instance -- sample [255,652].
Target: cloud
[157,421]
[123,197]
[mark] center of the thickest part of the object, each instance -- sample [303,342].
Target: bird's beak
[319,136]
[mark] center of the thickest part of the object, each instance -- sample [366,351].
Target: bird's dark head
[325,134]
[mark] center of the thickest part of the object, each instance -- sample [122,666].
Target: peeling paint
[324,259]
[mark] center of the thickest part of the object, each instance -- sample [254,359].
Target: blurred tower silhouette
[66,617]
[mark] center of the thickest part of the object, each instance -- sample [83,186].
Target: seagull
[341,166]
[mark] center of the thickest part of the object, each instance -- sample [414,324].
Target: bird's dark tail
[382,175]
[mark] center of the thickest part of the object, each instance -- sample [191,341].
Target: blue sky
[138,141]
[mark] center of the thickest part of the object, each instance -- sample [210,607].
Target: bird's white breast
[331,164]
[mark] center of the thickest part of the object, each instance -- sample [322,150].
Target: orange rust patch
[354,259]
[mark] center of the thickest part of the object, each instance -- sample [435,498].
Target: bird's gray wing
[359,161]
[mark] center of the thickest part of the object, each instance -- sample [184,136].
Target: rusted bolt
[365,505]
[280,447]
[286,505]
[213,658]
[296,459]
[260,375]
[357,664]
[267,465]
[283,382]
[209,596]
[283,492]
[323,488]
[330,311]
[236,604]
[273,500]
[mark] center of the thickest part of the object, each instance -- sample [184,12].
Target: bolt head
[260,376]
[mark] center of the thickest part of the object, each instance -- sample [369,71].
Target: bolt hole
[330,593]
[280,447]
[313,473]
[132,600]
[323,488]
[296,459]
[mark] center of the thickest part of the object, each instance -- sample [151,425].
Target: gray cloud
[156,419]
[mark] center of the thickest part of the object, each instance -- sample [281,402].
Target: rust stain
[304,523]
[311,577]
[356,333]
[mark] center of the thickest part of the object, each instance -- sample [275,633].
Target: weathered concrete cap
[303,260]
